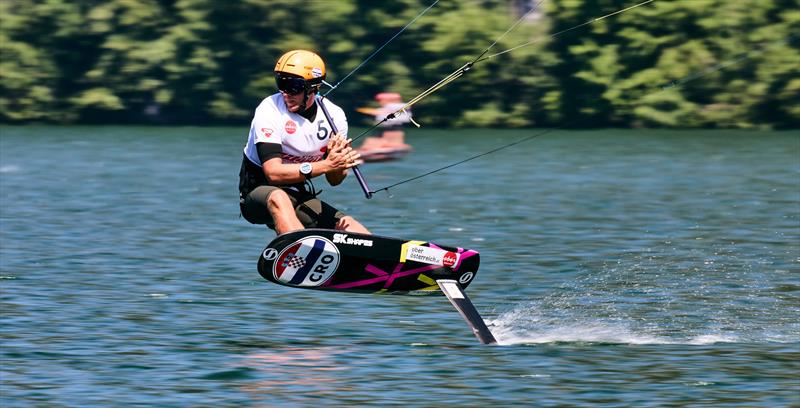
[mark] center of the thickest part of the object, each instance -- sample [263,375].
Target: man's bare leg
[350,224]
[282,211]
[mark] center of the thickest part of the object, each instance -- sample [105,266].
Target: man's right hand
[341,155]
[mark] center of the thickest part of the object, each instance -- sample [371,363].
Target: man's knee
[278,200]
[344,222]
[348,223]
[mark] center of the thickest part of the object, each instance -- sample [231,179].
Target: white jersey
[301,140]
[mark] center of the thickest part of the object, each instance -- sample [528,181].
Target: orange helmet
[303,64]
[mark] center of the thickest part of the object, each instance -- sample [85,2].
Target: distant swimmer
[391,142]
[289,144]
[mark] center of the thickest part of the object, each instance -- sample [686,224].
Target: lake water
[619,268]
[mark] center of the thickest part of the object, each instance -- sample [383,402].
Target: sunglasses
[290,85]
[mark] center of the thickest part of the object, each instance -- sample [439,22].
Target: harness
[252,176]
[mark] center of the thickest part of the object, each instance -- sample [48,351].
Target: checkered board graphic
[293,261]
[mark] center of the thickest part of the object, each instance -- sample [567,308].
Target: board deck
[334,260]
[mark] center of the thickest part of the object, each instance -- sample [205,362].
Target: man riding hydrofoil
[289,144]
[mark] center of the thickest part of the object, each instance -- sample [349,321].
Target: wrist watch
[305,169]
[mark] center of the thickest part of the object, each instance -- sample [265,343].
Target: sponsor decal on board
[344,239]
[308,262]
[269,254]
[466,277]
[432,256]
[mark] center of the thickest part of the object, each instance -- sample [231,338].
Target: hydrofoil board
[335,260]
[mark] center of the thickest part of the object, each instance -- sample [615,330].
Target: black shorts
[312,212]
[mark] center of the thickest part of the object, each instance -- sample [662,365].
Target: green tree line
[668,63]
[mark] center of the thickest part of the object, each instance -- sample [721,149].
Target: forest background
[668,63]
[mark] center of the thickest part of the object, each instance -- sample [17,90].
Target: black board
[334,260]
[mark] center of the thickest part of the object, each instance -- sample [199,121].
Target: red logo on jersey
[291,127]
[449,259]
[324,149]
[267,132]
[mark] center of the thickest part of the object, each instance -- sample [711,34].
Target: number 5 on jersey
[322,131]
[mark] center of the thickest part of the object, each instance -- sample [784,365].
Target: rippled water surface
[619,268]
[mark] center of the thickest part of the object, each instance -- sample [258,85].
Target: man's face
[294,101]
[293,90]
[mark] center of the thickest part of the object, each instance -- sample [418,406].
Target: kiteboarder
[391,142]
[289,144]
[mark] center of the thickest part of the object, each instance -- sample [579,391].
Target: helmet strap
[306,110]
[308,92]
